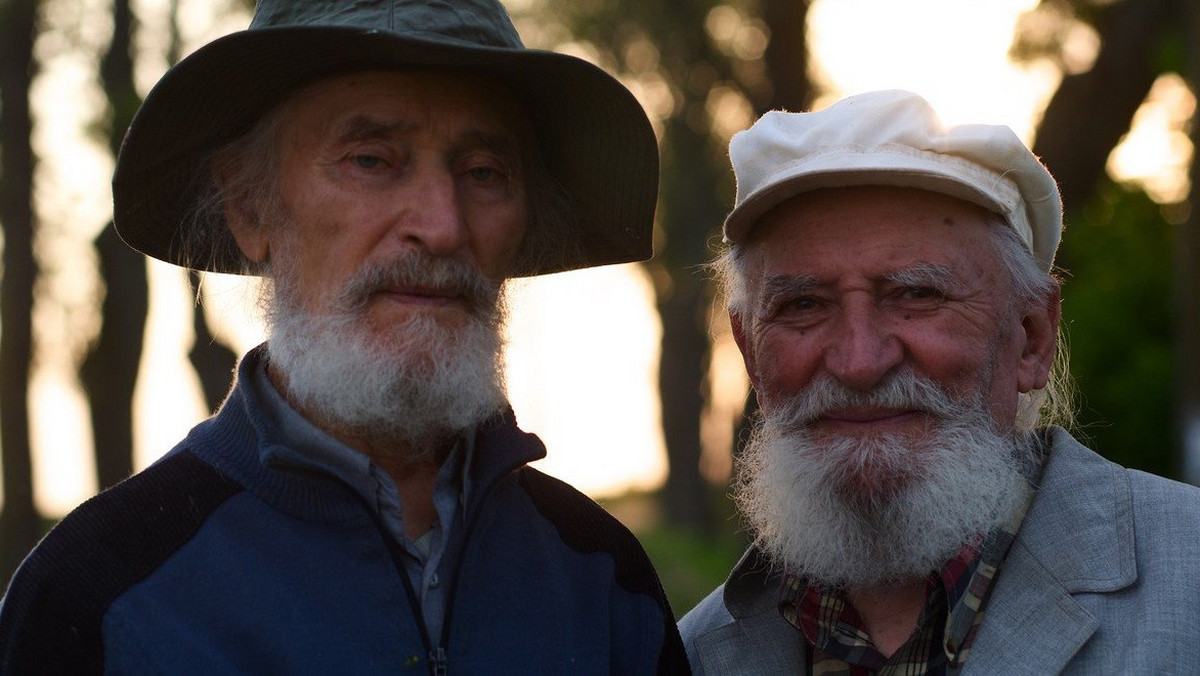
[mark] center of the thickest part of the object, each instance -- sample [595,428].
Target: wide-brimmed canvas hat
[893,138]
[593,135]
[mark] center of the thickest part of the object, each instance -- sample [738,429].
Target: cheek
[317,271]
[786,365]
[972,368]
[496,240]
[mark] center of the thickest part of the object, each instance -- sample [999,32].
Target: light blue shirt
[429,559]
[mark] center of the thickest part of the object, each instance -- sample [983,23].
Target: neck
[889,614]
[414,471]
[415,481]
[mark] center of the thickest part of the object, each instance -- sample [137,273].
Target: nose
[432,217]
[862,347]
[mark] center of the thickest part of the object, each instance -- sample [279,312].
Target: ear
[745,346]
[1040,329]
[242,220]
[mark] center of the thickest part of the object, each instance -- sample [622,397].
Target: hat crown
[467,22]
[893,138]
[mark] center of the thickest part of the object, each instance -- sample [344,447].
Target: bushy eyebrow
[932,275]
[775,287]
[503,144]
[360,128]
[363,128]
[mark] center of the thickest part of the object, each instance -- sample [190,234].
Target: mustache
[419,270]
[901,389]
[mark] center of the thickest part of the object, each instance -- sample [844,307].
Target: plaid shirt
[949,620]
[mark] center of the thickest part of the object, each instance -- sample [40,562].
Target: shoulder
[1083,475]
[56,601]
[586,527]
[1099,526]
[738,627]
[708,615]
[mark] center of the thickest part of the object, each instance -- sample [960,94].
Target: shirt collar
[305,448]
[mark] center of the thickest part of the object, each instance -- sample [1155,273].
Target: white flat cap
[893,138]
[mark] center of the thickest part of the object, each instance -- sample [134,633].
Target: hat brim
[846,172]
[593,134]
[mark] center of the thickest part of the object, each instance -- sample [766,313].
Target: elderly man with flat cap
[362,501]
[914,510]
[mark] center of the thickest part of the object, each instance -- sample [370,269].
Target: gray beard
[805,500]
[414,386]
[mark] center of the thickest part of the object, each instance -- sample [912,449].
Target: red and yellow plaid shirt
[953,610]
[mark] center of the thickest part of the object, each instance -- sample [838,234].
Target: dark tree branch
[109,372]
[1092,110]
[19,521]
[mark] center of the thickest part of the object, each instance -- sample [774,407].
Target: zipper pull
[437,661]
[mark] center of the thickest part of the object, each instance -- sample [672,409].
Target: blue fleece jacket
[210,562]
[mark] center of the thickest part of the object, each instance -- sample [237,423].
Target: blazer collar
[1078,537]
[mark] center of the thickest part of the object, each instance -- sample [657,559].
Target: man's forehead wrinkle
[774,284]
[362,127]
[927,273]
[498,140]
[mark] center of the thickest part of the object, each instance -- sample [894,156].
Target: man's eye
[367,161]
[484,173]
[921,293]
[800,305]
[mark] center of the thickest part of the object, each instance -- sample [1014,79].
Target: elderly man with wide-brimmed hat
[891,289]
[362,501]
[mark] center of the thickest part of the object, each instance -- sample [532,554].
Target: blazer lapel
[1078,537]
[763,644]
[760,641]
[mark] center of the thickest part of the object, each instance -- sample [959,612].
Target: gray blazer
[1103,578]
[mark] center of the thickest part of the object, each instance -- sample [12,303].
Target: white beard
[808,501]
[413,385]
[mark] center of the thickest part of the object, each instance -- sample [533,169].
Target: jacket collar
[1077,538]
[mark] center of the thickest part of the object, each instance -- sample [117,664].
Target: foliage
[1117,314]
[689,562]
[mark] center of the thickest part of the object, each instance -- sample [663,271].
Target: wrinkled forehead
[404,100]
[880,225]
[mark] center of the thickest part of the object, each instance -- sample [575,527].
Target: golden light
[1157,152]
[583,346]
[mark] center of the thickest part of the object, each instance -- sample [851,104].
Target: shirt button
[433,581]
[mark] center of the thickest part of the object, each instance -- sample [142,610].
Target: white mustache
[901,389]
[416,269]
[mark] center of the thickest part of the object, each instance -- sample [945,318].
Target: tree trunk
[19,520]
[109,373]
[690,209]
[786,56]
[1187,297]
[212,361]
[1091,111]
[786,61]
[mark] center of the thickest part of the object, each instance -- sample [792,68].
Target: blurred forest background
[704,69]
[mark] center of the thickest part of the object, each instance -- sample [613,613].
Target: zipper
[437,661]
[468,529]
[437,657]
